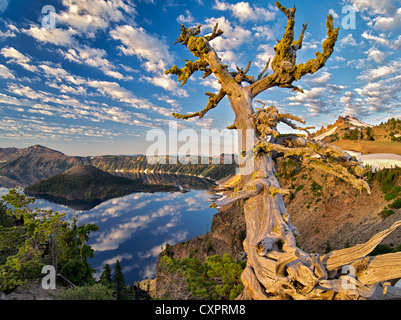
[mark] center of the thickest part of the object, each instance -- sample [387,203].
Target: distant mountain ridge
[26,166]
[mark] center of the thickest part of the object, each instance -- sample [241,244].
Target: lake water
[133,229]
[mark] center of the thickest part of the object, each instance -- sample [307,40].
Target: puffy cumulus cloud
[376,55]
[245,12]
[382,95]
[376,6]
[17,57]
[66,107]
[348,41]
[353,106]
[112,238]
[233,36]
[137,42]
[373,97]
[384,15]
[185,18]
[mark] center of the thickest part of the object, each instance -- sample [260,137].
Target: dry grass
[369,147]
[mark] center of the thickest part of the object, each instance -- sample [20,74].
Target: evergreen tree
[31,238]
[119,282]
[105,277]
[354,134]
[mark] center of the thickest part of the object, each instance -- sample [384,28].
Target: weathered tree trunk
[276,268]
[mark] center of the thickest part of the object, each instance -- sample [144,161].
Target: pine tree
[119,282]
[105,278]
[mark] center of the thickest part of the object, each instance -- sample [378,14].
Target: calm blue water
[134,228]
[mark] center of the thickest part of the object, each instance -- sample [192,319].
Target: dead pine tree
[276,267]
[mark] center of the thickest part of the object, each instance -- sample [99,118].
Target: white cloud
[389,23]
[333,13]
[17,57]
[118,93]
[348,41]
[229,43]
[384,15]
[382,40]
[154,54]
[6,99]
[381,95]
[233,36]
[376,6]
[137,42]
[266,52]
[320,79]
[380,72]
[6,73]
[376,55]
[316,100]
[245,12]
[88,16]
[94,58]
[58,73]
[57,36]
[187,18]
[7,34]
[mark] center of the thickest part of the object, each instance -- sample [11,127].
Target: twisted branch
[214,100]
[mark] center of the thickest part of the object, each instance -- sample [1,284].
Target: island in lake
[83,187]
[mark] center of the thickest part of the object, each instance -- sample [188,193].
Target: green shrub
[396,189]
[94,292]
[386,213]
[299,188]
[383,249]
[390,196]
[217,278]
[396,204]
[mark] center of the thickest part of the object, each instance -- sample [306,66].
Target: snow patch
[326,134]
[377,161]
[357,123]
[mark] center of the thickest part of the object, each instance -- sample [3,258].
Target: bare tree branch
[260,76]
[214,100]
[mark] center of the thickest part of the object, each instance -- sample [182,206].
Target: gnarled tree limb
[214,100]
[286,71]
[339,258]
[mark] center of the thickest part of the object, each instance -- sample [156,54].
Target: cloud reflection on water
[134,229]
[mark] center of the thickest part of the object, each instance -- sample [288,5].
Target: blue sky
[94,84]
